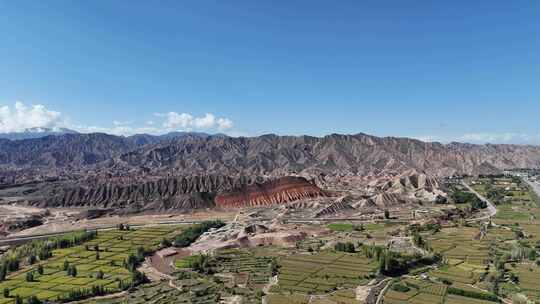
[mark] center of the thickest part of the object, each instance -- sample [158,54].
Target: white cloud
[427,138]
[485,137]
[206,122]
[224,124]
[505,137]
[187,122]
[125,130]
[174,120]
[22,117]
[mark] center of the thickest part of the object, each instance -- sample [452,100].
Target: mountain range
[199,153]
[185,170]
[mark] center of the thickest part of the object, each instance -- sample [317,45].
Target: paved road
[534,185]
[490,206]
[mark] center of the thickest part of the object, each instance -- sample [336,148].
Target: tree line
[188,236]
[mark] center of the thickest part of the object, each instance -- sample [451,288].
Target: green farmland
[323,272]
[187,288]
[249,269]
[98,262]
[416,291]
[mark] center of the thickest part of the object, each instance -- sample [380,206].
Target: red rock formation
[279,191]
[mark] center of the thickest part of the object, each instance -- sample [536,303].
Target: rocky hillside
[76,150]
[279,191]
[180,193]
[333,154]
[186,170]
[274,155]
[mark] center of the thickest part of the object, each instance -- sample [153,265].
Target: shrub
[99,275]
[72,271]
[473,294]
[193,232]
[3,271]
[29,276]
[344,247]
[33,300]
[400,288]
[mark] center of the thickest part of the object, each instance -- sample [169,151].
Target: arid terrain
[214,219]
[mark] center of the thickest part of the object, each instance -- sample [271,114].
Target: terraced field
[460,244]
[287,299]
[322,272]
[420,292]
[454,299]
[463,274]
[341,297]
[192,290]
[414,291]
[529,279]
[106,253]
[254,270]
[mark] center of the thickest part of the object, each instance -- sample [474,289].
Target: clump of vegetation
[345,247]
[392,263]
[83,293]
[191,234]
[400,287]
[473,294]
[123,227]
[134,260]
[464,197]
[72,271]
[201,263]
[33,300]
[30,276]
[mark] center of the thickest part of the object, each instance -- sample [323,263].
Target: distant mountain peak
[36,132]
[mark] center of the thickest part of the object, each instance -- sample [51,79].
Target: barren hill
[187,170]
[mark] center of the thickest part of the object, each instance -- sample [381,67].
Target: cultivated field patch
[103,254]
[322,272]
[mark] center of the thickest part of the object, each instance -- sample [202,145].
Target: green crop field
[287,299]
[419,292]
[416,291]
[194,289]
[114,247]
[460,244]
[341,227]
[529,279]
[462,273]
[322,272]
[256,269]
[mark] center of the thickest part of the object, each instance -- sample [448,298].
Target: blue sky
[441,70]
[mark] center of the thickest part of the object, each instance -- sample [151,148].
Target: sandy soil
[12,211]
[163,264]
[362,292]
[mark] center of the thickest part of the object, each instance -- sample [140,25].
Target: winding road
[534,185]
[491,210]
